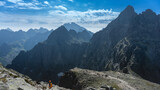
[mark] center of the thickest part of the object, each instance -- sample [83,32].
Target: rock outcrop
[12,80]
[83,79]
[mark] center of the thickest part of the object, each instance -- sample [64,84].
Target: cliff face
[128,44]
[60,52]
[139,50]
[103,42]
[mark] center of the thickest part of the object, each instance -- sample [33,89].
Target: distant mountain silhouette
[11,43]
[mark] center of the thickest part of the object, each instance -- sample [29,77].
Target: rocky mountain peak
[7,29]
[40,30]
[149,13]
[43,30]
[62,28]
[125,17]
[59,31]
[129,7]
[60,34]
[128,12]
[149,16]
[73,26]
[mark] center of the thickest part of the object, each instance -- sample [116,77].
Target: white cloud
[14,1]
[86,16]
[46,2]
[60,7]
[70,0]
[2,3]
[93,20]
[20,4]
[25,4]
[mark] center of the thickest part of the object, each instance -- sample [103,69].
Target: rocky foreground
[12,80]
[82,79]
[77,79]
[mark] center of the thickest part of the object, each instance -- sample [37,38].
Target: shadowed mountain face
[103,42]
[62,51]
[32,41]
[130,44]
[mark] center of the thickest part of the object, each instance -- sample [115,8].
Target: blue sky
[91,14]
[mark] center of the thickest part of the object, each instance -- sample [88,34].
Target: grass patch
[3,79]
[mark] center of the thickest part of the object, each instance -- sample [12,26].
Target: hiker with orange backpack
[50,84]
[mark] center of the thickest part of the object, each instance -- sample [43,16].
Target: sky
[94,15]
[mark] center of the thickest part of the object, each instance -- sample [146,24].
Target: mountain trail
[123,84]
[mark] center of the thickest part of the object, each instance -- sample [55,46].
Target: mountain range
[60,52]
[129,44]
[11,43]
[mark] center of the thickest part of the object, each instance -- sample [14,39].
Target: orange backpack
[50,84]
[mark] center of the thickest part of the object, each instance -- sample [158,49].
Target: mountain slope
[82,79]
[12,80]
[102,42]
[129,44]
[60,52]
[14,42]
[31,42]
[8,52]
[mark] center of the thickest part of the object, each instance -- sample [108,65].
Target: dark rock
[20,89]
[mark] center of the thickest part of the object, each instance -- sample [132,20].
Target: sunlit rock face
[83,79]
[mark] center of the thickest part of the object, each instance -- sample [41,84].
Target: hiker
[50,84]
